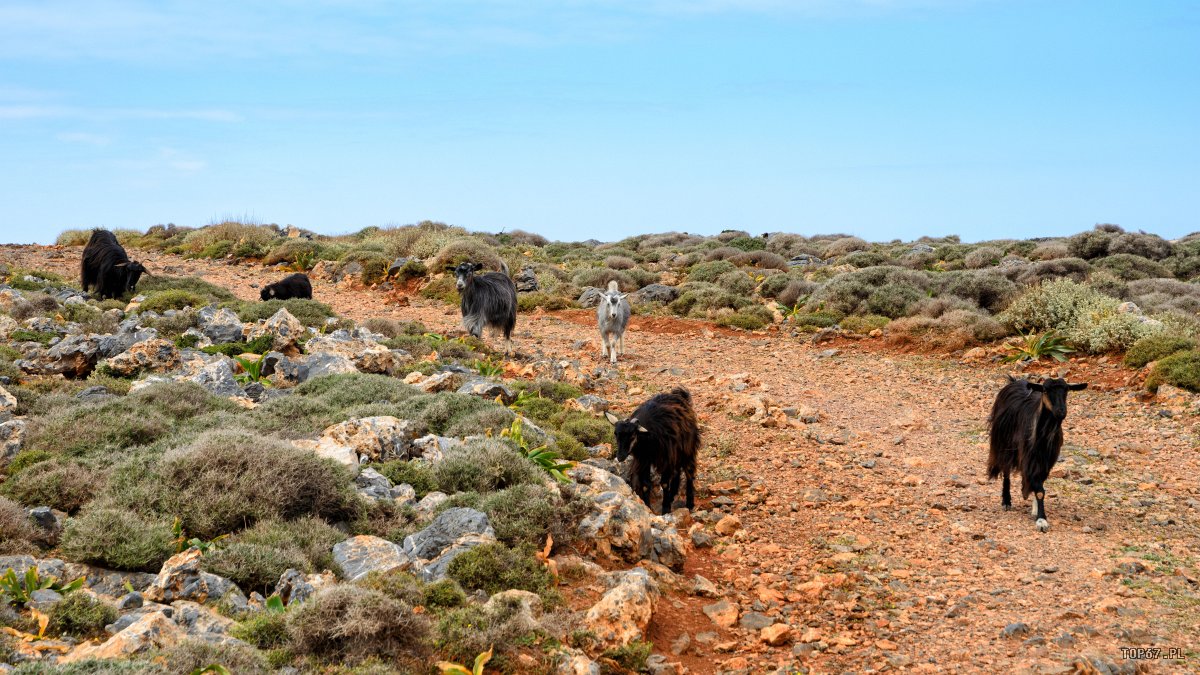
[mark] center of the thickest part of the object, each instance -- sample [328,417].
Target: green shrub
[264,630]
[411,269]
[736,282]
[1131,267]
[892,287]
[465,249]
[600,276]
[745,320]
[522,515]
[710,272]
[1140,244]
[59,484]
[633,657]
[193,285]
[309,312]
[23,335]
[984,256]
[193,656]
[1155,347]
[844,245]
[953,330]
[1181,369]
[16,529]
[444,594]
[253,567]
[496,567]
[1074,269]
[441,288]
[417,474]
[863,259]
[259,345]
[527,302]
[81,615]
[310,536]
[986,289]
[864,324]
[584,427]
[701,299]
[560,392]
[348,623]
[484,466]
[118,539]
[1090,245]
[436,413]
[1087,318]
[491,419]
[26,459]
[471,630]
[225,481]
[815,319]
[396,584]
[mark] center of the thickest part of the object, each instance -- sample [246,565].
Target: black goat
[107,268]
[1026,435]
[292,286]
[488,299]
[662,435]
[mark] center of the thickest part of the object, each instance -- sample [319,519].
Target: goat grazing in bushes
[612,315]
[488,299]
[107,268]
[662,435]
[1026,434]
[292,286]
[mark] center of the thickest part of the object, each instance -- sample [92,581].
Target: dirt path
[870,530]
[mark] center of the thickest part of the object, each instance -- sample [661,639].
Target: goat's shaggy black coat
[488,299]
[107,268]
[661,435]
[293,286]
[1025,429]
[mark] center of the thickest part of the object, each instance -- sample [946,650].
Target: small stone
[1015,629]
[755,621]
[728,525]
[776,634]
[704,588]
[723,613]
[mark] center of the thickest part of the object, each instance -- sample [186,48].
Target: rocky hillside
[345,486]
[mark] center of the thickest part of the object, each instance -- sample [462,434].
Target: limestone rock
[489,389]
[450,525]
[152,631]
[367,355]
[155,355]
[358,556]
[380,439]
[623,613]
[221,325]
[182,579]
[655,293]
[12,437]
[285,331]
[619,525]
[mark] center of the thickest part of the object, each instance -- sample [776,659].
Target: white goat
[612,314]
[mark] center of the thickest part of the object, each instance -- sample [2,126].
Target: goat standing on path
[293,286]
[488,299]
[1026,435]
[662,435]
[612,314]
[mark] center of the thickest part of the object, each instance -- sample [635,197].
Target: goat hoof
[1033,510]
[1007,507]
[1043,525]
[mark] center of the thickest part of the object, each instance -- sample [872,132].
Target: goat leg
[1006,493]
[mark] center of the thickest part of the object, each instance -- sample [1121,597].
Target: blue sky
[603,118]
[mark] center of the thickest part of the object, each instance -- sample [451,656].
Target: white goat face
[613,303]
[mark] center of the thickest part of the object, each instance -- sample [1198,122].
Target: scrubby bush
[474,629]
[81,615]
[118,538]
[194,285]
[1155,347]
[951,331]
[737,282]
[348,623]
[1068,268]
[864,324]
[228,480]
[465,249]
[790,245]
[1140,244]
[752,317]
[619,262]
[1090,245]
[861,259]
[292,251]
[59,484]
[193,656]
[1163,295]
[1086,317]
[1181,369]
[559,392]
[437,413]
[253,567]
[987,290]
[484,466]
[796,292]
[584,427]
[309,312]
[815,319]
[845,245]
[1131,267]
[1050,250]
[491,419]
[850,293]
[417,474]
[311,536]
[527,302]
[599,277]
[16,529]
[701,299]
[984,256]
[495,567]
[709,272]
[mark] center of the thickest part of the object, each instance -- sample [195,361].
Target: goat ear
[477,266]
[450,268]
[1077,387]
[1036,387]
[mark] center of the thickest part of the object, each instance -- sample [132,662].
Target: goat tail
[613,287]
[683,394]
[504,268]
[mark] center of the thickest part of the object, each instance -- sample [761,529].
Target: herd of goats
[662,436]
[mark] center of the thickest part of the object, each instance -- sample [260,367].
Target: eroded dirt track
[870,530]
